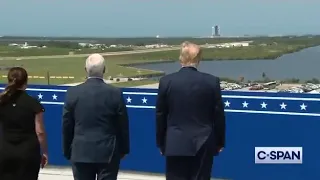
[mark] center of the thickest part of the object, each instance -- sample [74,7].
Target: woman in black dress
[22,130]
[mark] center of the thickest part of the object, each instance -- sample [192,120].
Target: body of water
[303,65]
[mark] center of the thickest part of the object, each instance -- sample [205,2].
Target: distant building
[230,45]
[83,44]
[216,30]
[156,46]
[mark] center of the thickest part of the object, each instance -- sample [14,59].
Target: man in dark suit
[95,126]
[190,121]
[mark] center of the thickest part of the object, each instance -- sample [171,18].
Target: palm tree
[241,79]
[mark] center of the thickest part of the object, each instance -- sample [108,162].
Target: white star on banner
[227,104]
[245,104]
[129,100]
[144,100]
[40,96]
[264,105]
[303,106]
[54,97]
[283,105]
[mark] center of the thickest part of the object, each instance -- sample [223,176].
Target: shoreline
[161,73]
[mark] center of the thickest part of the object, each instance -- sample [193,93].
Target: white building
[156,45]
[230,45]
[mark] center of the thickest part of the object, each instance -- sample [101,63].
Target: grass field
[66,67]
[74,66]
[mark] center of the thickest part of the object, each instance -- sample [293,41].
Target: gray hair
[95,65]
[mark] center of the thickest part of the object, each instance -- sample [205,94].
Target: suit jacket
[189,113]
[95,123]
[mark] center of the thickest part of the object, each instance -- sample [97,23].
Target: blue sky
[132,18]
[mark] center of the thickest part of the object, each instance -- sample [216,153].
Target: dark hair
[17,78]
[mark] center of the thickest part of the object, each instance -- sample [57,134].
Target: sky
[141,18]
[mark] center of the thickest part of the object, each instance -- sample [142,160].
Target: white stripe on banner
[140,93]
[268,97]
[271,112]
[52,103]
[46,90]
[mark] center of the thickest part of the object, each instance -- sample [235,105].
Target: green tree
[313,81]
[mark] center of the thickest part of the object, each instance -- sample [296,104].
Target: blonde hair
[190,54]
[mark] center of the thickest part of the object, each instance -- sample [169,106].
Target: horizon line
[164,37]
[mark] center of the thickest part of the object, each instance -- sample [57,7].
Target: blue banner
[254,119]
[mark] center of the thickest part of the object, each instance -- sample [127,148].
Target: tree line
[141,41]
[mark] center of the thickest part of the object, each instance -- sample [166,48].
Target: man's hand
[161,152]
[220,149]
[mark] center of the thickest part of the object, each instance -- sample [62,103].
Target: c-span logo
[278,155]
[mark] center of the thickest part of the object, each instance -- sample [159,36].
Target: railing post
[48,77]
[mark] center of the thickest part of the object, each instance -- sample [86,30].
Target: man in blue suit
[95,126]
[190,120]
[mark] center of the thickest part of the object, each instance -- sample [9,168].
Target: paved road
[148,86]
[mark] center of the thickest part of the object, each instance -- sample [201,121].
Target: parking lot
[58,173]
[262,87]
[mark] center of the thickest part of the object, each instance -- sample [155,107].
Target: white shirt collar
[193,66]
[93,77]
